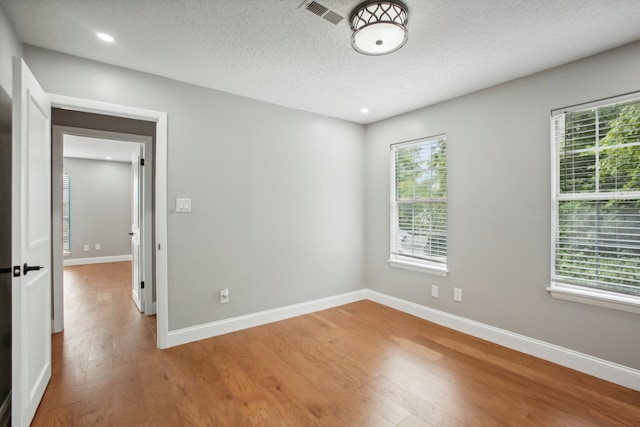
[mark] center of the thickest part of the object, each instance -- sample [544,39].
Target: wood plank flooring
[361,364]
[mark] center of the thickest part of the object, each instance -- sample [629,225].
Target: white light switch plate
[183,205]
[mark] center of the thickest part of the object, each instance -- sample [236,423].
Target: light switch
[183,205]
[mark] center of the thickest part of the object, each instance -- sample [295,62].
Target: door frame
[139,192]
[160,192]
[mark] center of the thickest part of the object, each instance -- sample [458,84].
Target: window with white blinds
[419,204]
[66,215]
[596,197]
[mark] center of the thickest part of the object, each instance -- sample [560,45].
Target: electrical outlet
[224,296]
[98,247]
[434,291]
[86,248]
[457,294]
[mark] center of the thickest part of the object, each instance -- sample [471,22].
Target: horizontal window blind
[419,200]
[597,197]
[66,214]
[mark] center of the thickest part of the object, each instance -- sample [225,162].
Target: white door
[31,244]
[137,218]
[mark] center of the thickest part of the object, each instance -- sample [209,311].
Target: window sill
[65,253]
[614,301]
[422,268]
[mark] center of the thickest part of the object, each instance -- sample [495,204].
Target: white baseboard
[609,371]
[195,333]
[97,260]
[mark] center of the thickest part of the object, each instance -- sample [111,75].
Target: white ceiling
[276,51]
[83,147]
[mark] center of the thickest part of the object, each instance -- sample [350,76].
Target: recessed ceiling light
[109,157]
[364,110]
[105,37]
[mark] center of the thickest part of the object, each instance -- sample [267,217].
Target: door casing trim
[160,208]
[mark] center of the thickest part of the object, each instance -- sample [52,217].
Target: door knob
[131,233]
[27,268]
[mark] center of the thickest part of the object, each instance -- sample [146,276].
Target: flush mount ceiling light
[379,27]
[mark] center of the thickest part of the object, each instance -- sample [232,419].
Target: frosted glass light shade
[379,27]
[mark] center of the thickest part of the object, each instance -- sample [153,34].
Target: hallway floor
[101,359]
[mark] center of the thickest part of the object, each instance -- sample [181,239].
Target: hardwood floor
[361,364]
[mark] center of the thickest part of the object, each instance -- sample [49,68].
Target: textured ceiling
[276,51]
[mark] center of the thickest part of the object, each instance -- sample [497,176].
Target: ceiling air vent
[323,12]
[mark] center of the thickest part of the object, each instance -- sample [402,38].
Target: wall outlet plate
[457,294]
[434,291]
[224,296]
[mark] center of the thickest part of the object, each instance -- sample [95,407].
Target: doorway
[99,117]
[105,191]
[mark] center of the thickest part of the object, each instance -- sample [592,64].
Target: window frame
[405,261]
[572,291]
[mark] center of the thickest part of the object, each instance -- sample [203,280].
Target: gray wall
[499,207]
[277,194]
[10,46]
[100,207]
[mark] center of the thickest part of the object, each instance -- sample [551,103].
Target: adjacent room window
[596,203]
[66,215]
[419,205]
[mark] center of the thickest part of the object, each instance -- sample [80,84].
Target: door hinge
[142,285]
[141,162]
